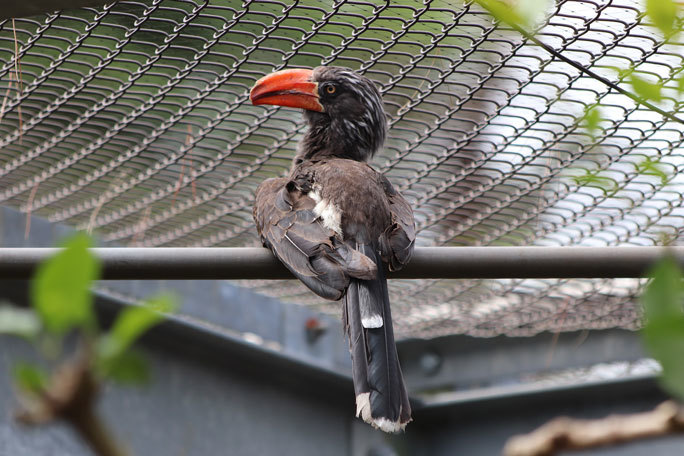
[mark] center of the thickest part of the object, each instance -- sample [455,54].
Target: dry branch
[570,434]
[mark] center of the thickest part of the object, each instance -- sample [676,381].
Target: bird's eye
[330,89]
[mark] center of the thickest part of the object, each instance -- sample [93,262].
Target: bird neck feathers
[344,134]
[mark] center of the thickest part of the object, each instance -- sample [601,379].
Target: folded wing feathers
[311,251]
[401,235]
[357,264]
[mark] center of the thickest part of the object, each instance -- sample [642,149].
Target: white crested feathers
[328,212]
[363,411]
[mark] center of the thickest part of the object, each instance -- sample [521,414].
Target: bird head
[344,110]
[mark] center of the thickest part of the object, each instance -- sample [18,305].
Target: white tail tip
[363,411]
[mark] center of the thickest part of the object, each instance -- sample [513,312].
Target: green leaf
[663,331]
[651,167]
[128,368]
[680,84]
[134,321]
[665,342]
[621,72]
[18,321]
[30,378]
[521,13]
[128,327]
[594,179]
[61,289]
[591,119]
[647,90]
[663,13]
[662,297]
[501,11]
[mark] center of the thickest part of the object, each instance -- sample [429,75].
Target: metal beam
[427,263]
[458,362]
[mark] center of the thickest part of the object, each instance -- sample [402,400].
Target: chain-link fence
[133,120]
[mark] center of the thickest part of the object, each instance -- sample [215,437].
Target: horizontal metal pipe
[427,263]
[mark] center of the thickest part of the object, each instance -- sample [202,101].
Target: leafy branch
[522,14]
[594,179]
[62,304]
[525,15]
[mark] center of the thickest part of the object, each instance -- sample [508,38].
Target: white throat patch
[328,212]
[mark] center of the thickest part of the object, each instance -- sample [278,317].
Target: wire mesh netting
[133,120]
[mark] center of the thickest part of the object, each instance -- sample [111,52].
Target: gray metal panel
[192,407]
[463,362]
[482,426]
[243,313]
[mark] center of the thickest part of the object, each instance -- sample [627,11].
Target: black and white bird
[335,221]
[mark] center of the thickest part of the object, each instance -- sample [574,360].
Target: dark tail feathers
[381,397]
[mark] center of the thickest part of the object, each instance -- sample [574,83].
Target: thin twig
[6,97]
[93,215]
[193,175]
[556,335]
[188,139]
[29,205]
[562,434]
[142,226]
[639,100]
[18,77]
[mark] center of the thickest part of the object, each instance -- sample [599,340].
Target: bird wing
[287,225]
[397,242]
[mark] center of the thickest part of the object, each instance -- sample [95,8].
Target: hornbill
[334,221]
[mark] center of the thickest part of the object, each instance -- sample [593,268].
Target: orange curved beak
[292,88]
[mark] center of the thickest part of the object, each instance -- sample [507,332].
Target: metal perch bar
[428,262]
